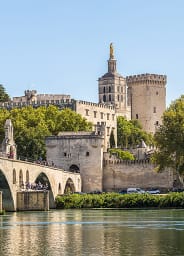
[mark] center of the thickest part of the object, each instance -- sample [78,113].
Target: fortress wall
[120,175]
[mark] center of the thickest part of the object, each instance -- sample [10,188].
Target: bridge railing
[39,162]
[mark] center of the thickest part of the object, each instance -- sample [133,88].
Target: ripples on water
[93,233]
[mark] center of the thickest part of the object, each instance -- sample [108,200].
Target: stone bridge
[15,173]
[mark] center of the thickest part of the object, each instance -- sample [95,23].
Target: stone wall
[117,176]
[33,200]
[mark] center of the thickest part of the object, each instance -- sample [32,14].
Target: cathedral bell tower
[112,89]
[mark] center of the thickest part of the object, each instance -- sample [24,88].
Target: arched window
[109,89]
[14,176]
[104,98]
[21,179]
[27,176]
[74,168]
[104,89]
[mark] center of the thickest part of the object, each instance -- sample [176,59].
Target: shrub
[115,200]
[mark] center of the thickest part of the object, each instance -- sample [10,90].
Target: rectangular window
[113,117]
[95,114]
[108,116]
[87,112]
[101,114]
[154,109]
[108,131]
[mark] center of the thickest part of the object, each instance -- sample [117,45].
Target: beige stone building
[100,115]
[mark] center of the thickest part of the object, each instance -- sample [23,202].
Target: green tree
[3,95]
[170,138]
[31,126]
[124,155]
[130,133]
[112,140]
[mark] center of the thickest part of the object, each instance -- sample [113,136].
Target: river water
[93,233]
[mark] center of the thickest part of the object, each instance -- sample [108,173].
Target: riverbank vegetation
[116,200]
[169,139]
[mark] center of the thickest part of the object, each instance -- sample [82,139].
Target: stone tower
[80,152]
[112,88]
[8,144]
[148,99]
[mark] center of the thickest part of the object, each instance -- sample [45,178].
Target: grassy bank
[114,200]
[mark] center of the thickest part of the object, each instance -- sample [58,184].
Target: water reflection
[93,232]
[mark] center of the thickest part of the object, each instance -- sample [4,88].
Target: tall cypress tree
[3,95]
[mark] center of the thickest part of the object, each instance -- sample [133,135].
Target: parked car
[95,192]
[135,190]
[177,190]
[153,191]
[123,191]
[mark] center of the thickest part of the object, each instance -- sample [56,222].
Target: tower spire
[111,51]
[111,61]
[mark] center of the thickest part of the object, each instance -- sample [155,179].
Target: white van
[135,190]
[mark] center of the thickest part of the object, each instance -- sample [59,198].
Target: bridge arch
[7,202]
[74,168]
[43,179]
[69,186]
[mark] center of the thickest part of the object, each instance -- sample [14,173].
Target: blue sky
[62,47]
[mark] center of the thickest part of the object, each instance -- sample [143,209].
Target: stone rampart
[119,175]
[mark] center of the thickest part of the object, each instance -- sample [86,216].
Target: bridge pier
[33,201]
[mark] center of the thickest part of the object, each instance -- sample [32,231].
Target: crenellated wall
[119,175]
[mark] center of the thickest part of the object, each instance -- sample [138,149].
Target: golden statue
[111,51]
